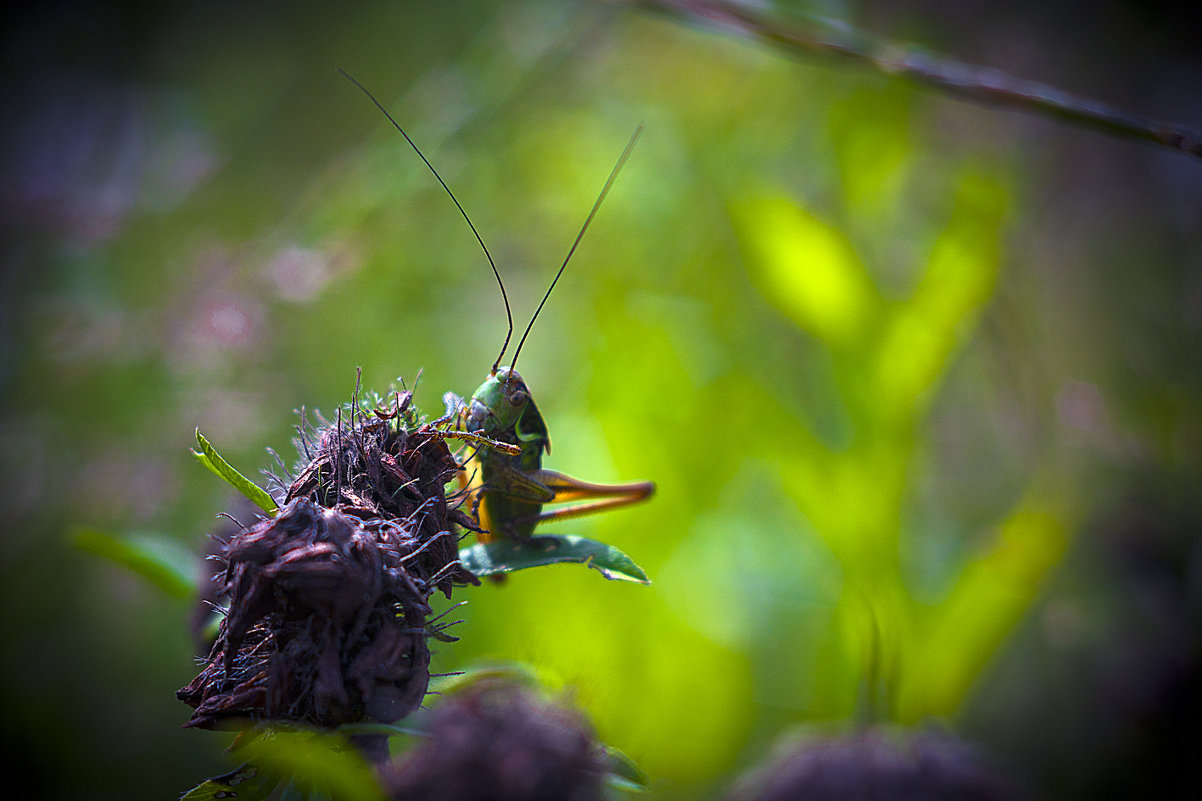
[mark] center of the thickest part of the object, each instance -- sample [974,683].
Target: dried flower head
[877,765]
[383,464]
[500,742]
[328,600]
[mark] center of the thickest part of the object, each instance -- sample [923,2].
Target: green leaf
[212,625]
[921,335]
[623,774]
[166,564]
[516,673]
[211,459]
[245,783]
[958,637]
[806,267]
[506,556]
[319,765]
[387,729]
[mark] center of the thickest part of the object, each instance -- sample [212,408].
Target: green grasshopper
[511,489]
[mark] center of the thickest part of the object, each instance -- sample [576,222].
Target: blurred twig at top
[805,33]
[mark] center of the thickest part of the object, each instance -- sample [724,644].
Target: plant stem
[812,35]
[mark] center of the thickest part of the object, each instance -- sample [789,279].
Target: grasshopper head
[499,402]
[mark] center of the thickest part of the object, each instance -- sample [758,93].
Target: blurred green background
[918,381]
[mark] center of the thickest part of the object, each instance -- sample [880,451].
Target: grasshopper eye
[517,398]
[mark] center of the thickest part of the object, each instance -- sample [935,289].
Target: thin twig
[823,36]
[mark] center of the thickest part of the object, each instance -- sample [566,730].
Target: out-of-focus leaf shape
[166,564]
[517,673]
[318,765]
[806,268]
[623,773]
[387,729]
[210,458]
[956,638]
[245,783]
[506,556]
[870,130]
[923,332]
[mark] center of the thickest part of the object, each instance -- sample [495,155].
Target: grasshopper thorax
[499,402]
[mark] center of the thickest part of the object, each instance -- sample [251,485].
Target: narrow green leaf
[993,592]
[388,729]
[506,556]
[210,458]
[294,792]
[166,564]
[245,783]
[623,774]
[806,267]
[212,625]
[318,764]
[517,673]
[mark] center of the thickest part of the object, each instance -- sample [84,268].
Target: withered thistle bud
[382,464]
[328,600]
[877,765]
[500,742]
[325,625]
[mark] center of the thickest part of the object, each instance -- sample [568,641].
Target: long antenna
[491,263]
[604,191]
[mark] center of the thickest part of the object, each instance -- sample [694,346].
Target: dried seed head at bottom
[500,741]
